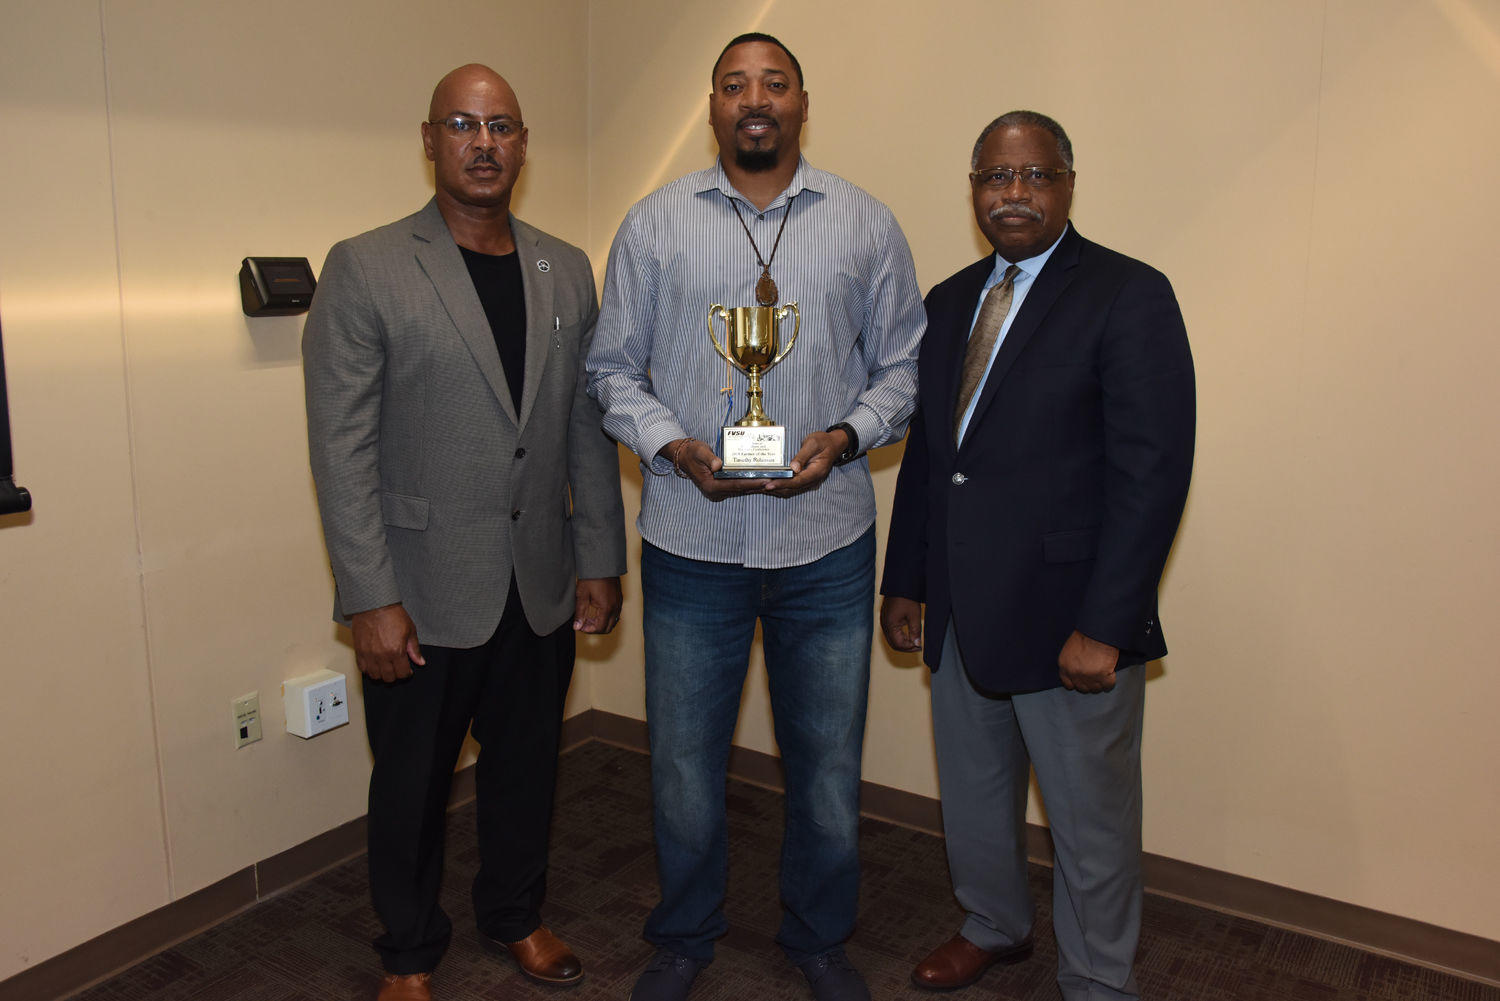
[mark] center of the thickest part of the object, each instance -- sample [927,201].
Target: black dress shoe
[833,978]
[668,977]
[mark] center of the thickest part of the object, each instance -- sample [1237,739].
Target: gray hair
[1024,119]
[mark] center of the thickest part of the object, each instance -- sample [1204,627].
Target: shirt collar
[1030,267]
[804,179]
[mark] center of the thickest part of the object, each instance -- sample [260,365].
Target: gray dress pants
[1087,753]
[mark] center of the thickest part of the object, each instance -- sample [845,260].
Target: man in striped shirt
[797,554]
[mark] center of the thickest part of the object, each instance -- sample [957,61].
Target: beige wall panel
[1324,598]
[262,141]
[1394,567]
[648,79]
[81,844]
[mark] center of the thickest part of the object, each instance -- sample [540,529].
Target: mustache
[485,159]
[1015,212]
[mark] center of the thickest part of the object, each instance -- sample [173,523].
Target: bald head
[476,140]
[467,84]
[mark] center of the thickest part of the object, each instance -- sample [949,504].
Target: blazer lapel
[1056,275]
[444,265]
[537,280]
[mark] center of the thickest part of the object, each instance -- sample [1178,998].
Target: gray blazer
[432,488]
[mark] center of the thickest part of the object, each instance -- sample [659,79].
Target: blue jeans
[816,623]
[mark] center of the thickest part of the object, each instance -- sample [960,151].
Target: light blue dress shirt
[1030,268]
[656,376]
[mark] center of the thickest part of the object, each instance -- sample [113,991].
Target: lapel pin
[543,266]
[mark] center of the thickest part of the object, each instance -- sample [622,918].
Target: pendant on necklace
[765,289]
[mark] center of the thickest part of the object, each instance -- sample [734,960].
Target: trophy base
[753,453]
[777,473]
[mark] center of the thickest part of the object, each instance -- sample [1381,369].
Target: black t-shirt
[497,279]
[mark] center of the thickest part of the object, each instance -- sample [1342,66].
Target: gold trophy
[753,447]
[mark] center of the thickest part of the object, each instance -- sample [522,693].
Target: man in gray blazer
[472,511]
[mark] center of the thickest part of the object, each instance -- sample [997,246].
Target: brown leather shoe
[405,987]
[543,958]
[958,963]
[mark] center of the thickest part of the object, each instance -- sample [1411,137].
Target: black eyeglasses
[1004,177]
[464,128]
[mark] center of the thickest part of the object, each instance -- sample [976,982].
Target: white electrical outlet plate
[246,713]
[315,703]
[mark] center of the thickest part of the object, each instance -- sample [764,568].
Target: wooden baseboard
[1435,947]
[1463,955]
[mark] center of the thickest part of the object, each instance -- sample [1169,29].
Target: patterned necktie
[982,341]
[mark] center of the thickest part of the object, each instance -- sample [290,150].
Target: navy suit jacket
[1059,509]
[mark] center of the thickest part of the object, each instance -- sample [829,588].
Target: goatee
[755,161]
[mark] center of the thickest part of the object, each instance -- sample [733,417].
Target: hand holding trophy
[753,447]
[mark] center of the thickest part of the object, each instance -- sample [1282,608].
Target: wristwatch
[852,452]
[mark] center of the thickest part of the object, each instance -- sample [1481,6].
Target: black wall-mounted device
[276,286]
[13,499]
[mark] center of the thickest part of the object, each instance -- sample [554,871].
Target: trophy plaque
[753,447]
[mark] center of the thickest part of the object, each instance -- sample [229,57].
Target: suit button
[959,479]
[520,453]
[515,515]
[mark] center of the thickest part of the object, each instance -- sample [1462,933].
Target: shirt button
[520,453]
[959,479]
[515,515]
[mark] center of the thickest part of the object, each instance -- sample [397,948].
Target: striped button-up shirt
[845,262]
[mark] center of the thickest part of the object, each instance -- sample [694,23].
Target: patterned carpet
[312,942]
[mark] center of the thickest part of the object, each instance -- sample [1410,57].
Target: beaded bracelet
[677,458]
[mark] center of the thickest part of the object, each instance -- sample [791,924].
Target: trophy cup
[753,447]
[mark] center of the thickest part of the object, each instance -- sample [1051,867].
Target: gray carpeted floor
[312,943]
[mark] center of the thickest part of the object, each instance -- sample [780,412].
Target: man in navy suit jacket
[1043,481]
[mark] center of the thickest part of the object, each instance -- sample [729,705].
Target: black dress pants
[512,689]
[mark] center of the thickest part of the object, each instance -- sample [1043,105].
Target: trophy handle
[713,338]
[781,312]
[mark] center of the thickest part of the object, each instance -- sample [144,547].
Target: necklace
[766,292]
